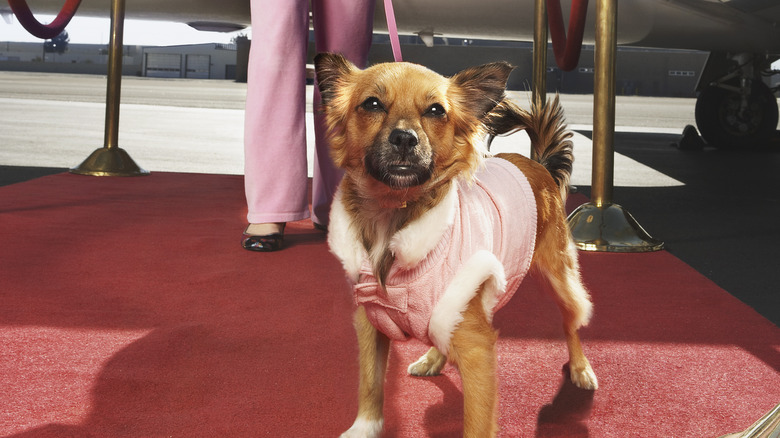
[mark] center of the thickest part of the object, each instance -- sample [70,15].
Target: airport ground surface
[716,210]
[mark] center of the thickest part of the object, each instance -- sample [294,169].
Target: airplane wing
[711,25]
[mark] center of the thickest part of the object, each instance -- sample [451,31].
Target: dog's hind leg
[473,351]
[556,262]
[430,364]
[374,348]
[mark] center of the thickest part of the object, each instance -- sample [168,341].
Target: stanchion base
[109,162]
[767,427]
[609,228]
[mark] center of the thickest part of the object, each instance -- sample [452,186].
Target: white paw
[427,366]
[363,428]
[584,378]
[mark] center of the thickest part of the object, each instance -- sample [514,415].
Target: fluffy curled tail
[550,140]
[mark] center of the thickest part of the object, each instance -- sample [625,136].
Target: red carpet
[128,309]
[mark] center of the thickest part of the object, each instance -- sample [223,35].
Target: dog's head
[400,126]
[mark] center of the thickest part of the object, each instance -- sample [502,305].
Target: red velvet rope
[567,47]
[44,31]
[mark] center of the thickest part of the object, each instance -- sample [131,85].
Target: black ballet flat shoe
[265,243]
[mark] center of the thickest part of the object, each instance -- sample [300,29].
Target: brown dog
[430,243]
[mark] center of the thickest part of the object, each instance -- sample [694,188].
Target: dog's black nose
[403,139]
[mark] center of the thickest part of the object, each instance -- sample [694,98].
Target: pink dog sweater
[483,232]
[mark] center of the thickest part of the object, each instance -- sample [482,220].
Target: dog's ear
[482,88]
[330,68]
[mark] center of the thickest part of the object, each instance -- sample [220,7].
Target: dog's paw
[584,378]
[363,428]
[430,364]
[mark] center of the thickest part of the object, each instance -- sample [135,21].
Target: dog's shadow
[568,413]
[566,416]
[450,406]
[442,418]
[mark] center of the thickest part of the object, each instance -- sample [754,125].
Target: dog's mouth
[399,175]
[401,169]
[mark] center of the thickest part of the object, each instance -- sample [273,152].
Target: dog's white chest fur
[480,235]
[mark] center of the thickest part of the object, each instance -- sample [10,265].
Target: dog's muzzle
[399,162]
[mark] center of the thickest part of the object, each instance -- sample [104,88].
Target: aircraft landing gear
[737,111]
[728,118]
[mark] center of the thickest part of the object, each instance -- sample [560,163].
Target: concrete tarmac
[714,209]
[56,120]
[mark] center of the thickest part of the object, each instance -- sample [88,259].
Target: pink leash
[392,28]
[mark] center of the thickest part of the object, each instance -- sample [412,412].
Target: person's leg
[275,178]
[342,26]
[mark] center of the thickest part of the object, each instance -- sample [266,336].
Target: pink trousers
[275,162]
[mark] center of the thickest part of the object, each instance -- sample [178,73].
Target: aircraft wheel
[723,123]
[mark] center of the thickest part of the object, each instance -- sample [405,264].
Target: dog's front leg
[373,347]
[473,351]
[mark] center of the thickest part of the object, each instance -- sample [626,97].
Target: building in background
[643,72]
[78,58]
[195,61]
[192,61]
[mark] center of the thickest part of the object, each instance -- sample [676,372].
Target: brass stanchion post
[600,225]
[111,160]
[539,86]
[539,78]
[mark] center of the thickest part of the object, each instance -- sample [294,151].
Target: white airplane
[735,107]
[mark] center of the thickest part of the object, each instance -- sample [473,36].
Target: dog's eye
[372,104]
[435,110]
